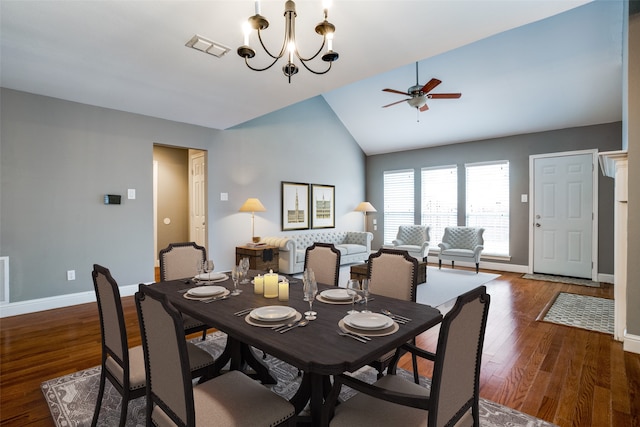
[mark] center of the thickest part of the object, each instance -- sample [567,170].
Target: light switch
[224,197]
[131,193]
[524,198]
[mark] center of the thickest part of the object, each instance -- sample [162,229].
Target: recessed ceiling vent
[208,46]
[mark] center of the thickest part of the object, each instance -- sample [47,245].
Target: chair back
[179,260]
[324,260]
[169,387]
[413,234]
[393,273]
[463,237]
[112,325]
[456,372]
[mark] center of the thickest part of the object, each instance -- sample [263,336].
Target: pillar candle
[258,285]
[283,291]
[270,285]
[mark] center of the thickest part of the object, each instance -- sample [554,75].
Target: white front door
[563,215]
[198,188]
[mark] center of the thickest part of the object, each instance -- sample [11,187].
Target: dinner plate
[206,291]
[273,313]
[339,294]
[211,277]
[368,321]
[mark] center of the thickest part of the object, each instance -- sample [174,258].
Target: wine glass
[244,265]
[365,292]
[310,289]
[307,275]
[199,270]
[207,267]
[353,286]
[236,274]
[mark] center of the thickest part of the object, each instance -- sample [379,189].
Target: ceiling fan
[419,94]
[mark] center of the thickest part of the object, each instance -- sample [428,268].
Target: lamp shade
[252,205]
[365,207]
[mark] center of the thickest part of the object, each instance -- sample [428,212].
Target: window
[439,200]
[398,202]
[488,204]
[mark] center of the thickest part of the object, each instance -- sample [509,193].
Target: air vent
[208,46]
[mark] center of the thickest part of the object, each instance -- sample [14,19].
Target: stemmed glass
[365,292]
[236,274]
[207,267]
[199,270]
[244,265]
[353,286]
[310,289]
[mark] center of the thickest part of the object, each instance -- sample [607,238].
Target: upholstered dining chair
[179,261]
[231,399]
[121,365]
[393,273]
[324,260]
[454,394]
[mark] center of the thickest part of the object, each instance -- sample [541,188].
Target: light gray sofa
[354,246]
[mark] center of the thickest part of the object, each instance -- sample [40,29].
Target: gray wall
[59,158]
[516,150]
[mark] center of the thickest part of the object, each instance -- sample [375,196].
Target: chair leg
[96,412]
[416,374]
[124,408]
[452,265]
[204,334]
[439,264]
[477,267]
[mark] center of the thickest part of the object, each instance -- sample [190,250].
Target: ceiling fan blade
[396,91]
[430,85]
[425,107]
[394,103]
[444,95]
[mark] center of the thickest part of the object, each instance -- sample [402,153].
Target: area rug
[444,285]
[580,311]
[562,279]
[71,398]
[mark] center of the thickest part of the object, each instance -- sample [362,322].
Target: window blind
[439,200]
[398,202]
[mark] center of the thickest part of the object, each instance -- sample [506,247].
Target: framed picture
[323,206]
[295,206]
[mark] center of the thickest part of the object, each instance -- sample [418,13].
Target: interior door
[198,187]
[563,215]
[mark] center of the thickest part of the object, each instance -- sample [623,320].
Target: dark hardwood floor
[564,375]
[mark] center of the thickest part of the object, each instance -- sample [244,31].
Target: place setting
[207,293]
[206,275]
[273,316]
[366,325]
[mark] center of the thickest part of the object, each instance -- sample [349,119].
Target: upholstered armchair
[461,244]
[413,239]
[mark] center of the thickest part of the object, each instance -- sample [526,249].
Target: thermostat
[112,199]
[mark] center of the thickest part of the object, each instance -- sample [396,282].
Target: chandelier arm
[314,56]
[304,64]
[284,47]
[246,61]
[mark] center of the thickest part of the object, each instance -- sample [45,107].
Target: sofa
[354,246]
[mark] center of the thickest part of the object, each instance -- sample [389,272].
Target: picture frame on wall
[295,206]
[323,206]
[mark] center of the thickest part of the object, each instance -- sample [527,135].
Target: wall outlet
[71,275]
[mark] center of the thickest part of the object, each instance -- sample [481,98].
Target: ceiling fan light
[417,101]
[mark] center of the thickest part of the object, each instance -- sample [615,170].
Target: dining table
[317,349]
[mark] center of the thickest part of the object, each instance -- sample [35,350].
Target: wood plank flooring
[561,374]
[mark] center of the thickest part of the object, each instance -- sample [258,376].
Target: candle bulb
[329,42]
[246,29]
[257,5]
[258,285]
[283,291]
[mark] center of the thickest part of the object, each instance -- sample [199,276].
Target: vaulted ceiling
[521,65]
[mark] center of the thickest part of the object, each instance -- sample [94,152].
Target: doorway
[179,196]
[563,214]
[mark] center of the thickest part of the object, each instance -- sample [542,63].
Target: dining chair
[324,260]
[179,261]
[393,273]
[453,398]
[231,399]
[121,365]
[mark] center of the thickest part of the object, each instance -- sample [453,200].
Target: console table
[359,271]
[263,258]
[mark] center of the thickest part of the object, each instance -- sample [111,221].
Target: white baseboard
[605,278]
[631,343]
[41,304]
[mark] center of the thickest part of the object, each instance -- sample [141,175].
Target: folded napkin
[211,276]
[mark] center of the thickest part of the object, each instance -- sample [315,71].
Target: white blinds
[487,197]
[439,200]
[398,201]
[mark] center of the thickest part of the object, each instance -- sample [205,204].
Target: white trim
[631,343]
[4,260]
[606,278]
[49,303]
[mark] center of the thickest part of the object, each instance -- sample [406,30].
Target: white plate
[206,291]
[336,294]
[273,313]
[368,321]
[208,277]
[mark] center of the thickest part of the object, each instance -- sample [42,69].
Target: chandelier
[289,47]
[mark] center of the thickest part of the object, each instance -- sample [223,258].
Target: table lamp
[365,207]
[253,205]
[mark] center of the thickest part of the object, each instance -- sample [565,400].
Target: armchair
[413,239]
[461,244]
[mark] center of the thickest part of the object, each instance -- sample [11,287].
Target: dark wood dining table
[316,349]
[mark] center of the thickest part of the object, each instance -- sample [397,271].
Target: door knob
[537,224]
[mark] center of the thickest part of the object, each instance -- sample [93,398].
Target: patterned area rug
[581,311]
[71,398]
[562,279]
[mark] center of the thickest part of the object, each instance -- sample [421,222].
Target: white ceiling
[521,65]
